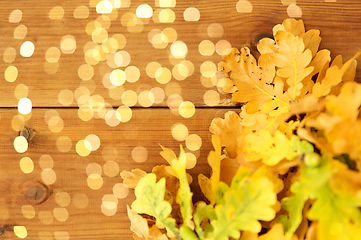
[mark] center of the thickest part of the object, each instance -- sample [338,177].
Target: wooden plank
[338,22]
[147,128]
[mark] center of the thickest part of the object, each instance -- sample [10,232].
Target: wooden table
[58,189]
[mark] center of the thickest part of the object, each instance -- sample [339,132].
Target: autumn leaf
[276,233]
[150,200]
[338,215]
[346,141]
[139,225]
[311,179]
[156,234]
[214,161]
[184,194]
[292,60]
[229,168]
[311,38]
[296,27]
[254,82]
[267,45]
[206,187]
[228,130]
[131,179]
[200,215]
[273,176]
[333,77]
[347,103]
[243,207]
[272,149]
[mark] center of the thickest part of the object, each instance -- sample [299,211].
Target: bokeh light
[179,49]
[95,181]
[244,6]
[56,13]
[20,32]
[179,132]
[48,176]
[120,190]
[46,162]
[215,30]
[9,55]
[139,154]
[15,16]
[26,165]
[20,232]
[62,199]
[60,214]
[104,7]
[144,11]
[193,142]
[11,73]
[68,44]
[294,11]
[20,144]
[187,109]
[28,211]
[80,200]
[82,148]
[27,49]
[191,14]
[81,12]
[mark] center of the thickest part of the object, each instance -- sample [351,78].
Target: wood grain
[338,23]
[147,128]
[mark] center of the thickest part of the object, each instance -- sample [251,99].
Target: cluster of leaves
[286,167]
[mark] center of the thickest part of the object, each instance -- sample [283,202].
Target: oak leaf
[272,149]
[276,233]
[311,38]
[243,206]
[150,200]
[131,179]
[347,103]
[254,82]
[184,194]
[292,60]
[228,130]
[334,76]
[139,225]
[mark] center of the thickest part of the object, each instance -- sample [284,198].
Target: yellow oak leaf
[229,168]
[296,27]
[311,38]
[292,60]
[154,234]
[268,172]
[273,149]
[333,77]
[139,225]
[228,130]
[206,187]
[255,83]
[347,103]
[131,179]
[267,45]
[346,180]
[321,59]
[276,233]
[247,235]
[345,140]
[214,161]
